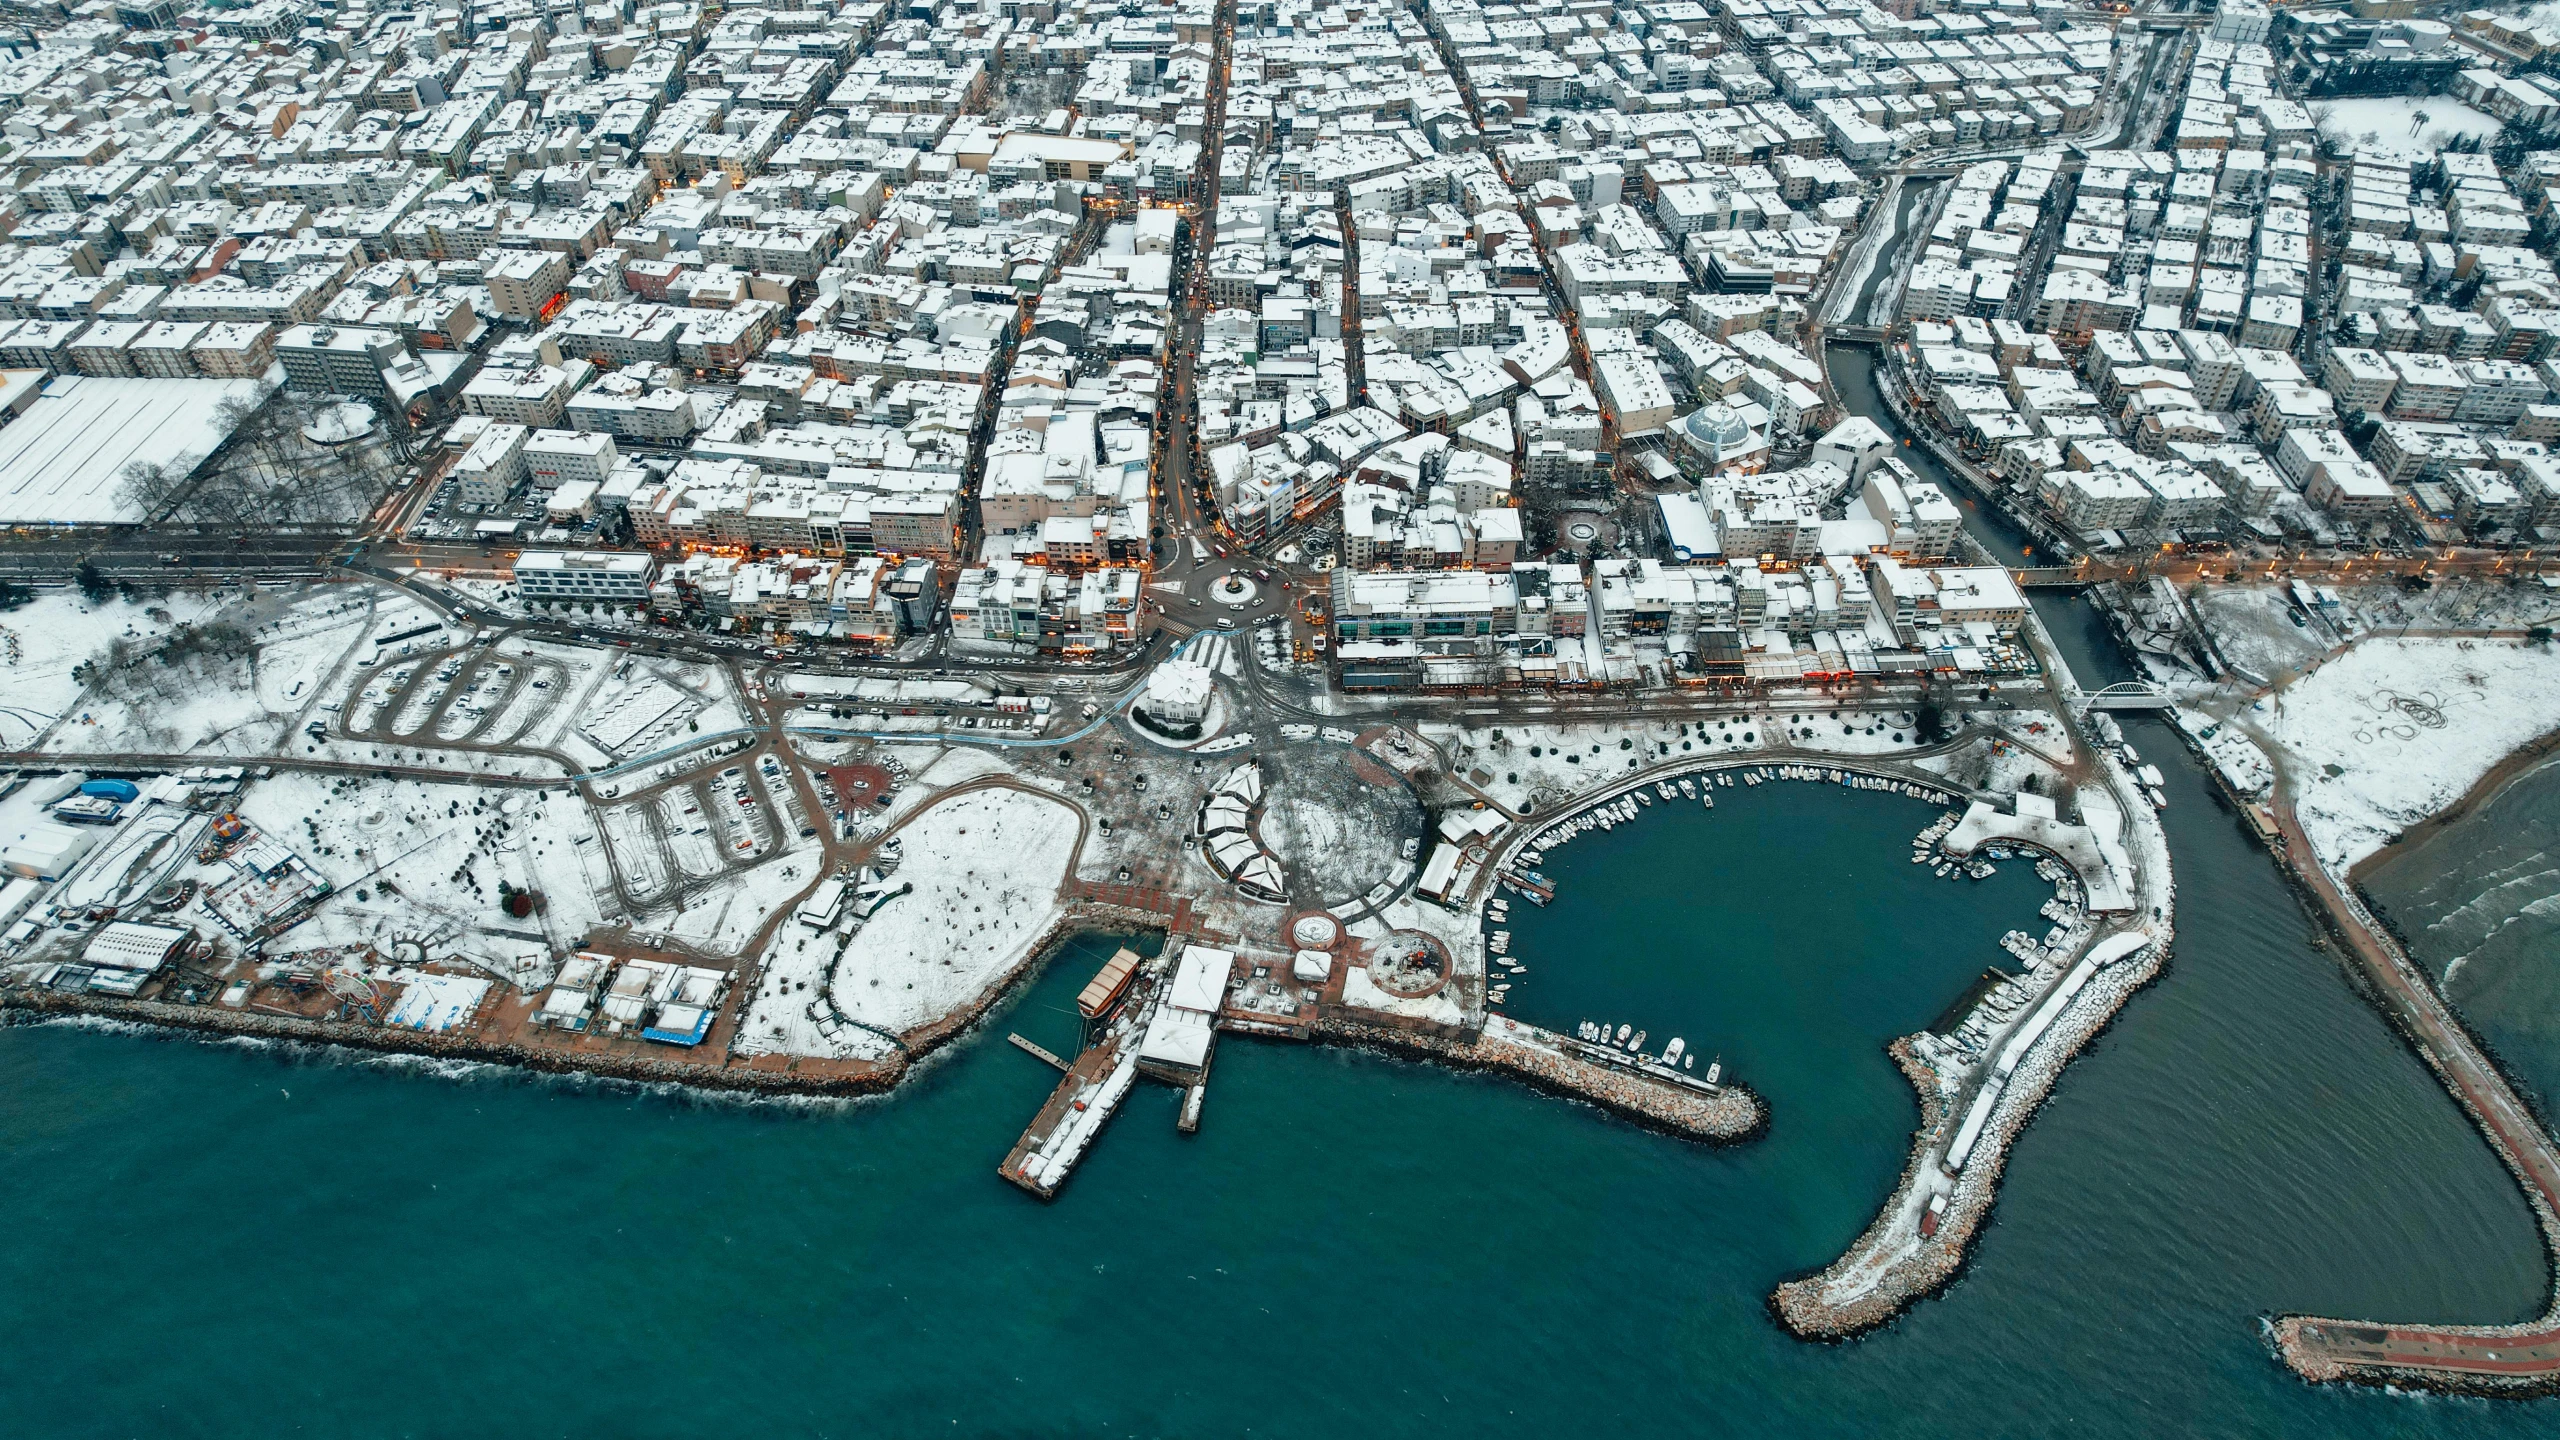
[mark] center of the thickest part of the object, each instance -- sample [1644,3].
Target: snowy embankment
[2394,730]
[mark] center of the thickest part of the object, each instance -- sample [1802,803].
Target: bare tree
[151,489]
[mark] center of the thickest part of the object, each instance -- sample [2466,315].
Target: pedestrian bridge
[1855,334]
[2127,695]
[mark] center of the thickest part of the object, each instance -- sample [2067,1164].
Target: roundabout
[1233,591]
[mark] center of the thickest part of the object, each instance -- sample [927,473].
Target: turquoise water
[216,1240]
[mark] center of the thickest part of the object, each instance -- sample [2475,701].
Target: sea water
[211,1239]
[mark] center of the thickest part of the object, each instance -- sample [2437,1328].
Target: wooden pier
[1087,1095]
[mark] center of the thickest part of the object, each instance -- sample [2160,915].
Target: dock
[1088,1094]
[1037,1052]
[1058,1137]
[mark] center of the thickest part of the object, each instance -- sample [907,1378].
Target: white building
[553,458]
[611,577]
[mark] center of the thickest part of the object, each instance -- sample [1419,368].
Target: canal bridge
[2052,577]
[2125,695]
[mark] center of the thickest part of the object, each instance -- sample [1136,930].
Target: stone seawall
[1729,1115]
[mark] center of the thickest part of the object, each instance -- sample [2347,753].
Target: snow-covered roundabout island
[985,866]
[2395,730]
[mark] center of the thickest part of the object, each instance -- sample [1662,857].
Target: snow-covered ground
[2253,626]
[986,867]
[42,641]
[2390,124]
[408,863]
[2243,765]
[2393,730]
[444,848]
[722,919]
[1543,764]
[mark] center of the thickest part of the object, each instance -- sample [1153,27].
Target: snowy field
[986,867]
[2394,730]
[2253,627]
[721,920]
[2390,125]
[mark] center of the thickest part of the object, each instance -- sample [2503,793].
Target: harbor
[881,1231]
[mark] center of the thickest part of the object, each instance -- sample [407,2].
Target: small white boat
[1643,798]
[1638,1042]
[1623,1032]
[1943,869]
[1688,788]
[1671,1051]
[2159,801]
[1688,1062]
[1714,1069]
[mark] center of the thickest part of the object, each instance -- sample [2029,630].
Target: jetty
[1154,1019]
[1651,1095]
[2507,1360]
[1122,1000]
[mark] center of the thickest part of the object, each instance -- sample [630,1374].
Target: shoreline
[740,1076]
[2520,1360]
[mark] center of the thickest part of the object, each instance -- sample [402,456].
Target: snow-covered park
[2416,128]
[985,866]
